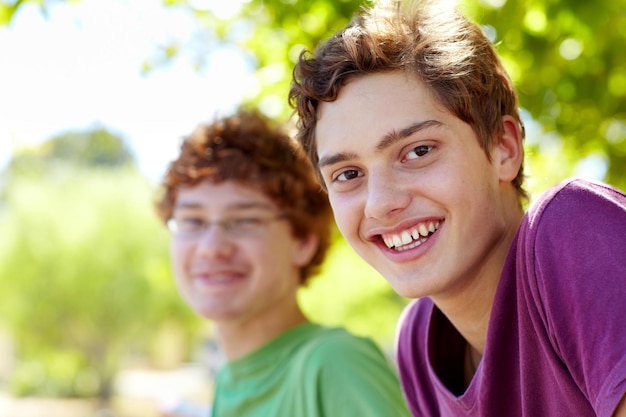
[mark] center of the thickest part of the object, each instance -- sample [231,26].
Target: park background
[95,97]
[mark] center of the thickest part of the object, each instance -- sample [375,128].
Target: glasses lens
[237,226]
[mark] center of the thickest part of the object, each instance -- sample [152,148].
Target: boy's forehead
[377,105]
[226,194]
[388,93]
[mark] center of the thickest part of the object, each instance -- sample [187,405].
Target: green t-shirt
[310,371]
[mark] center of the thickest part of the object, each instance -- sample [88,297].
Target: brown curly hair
[438,44]
[251,149]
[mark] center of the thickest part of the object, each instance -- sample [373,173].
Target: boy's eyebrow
[236,206]
[387,140]
[186,205]
[394,136]
[333,159]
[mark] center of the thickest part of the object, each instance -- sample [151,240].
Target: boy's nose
[215,242]
[384,196]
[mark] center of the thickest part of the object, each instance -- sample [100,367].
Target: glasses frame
[230,226]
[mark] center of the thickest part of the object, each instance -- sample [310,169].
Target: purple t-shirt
[556,343]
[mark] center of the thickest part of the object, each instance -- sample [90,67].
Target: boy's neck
[469,309]
[239,338]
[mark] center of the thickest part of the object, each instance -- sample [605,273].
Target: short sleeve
[578,281]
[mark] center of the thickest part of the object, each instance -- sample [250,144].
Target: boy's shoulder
[573,197]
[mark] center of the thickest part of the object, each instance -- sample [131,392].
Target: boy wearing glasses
[413,124]
[250,225]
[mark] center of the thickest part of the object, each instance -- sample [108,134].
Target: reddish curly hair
[251,149]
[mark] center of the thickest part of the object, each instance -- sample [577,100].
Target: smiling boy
[414,127]
[250,226]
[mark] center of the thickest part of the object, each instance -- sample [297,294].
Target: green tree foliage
[566,59]
[94,148]
[84,267]
[7,10]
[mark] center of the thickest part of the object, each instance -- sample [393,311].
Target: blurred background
[95,97]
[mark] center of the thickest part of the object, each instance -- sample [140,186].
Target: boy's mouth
[412,237]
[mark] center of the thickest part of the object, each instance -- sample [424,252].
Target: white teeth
[220,277]
[411,238]
[415,244]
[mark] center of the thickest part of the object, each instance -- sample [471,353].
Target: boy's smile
[411,238]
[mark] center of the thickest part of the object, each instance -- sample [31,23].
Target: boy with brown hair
[413,124]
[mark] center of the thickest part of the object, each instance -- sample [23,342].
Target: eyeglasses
[193,228]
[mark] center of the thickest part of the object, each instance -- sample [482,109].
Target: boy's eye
[418,151]
[190,224]
[185,224]
[243,223]
[347,175]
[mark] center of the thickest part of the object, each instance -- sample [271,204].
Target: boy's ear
[305,249]
[508,151]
